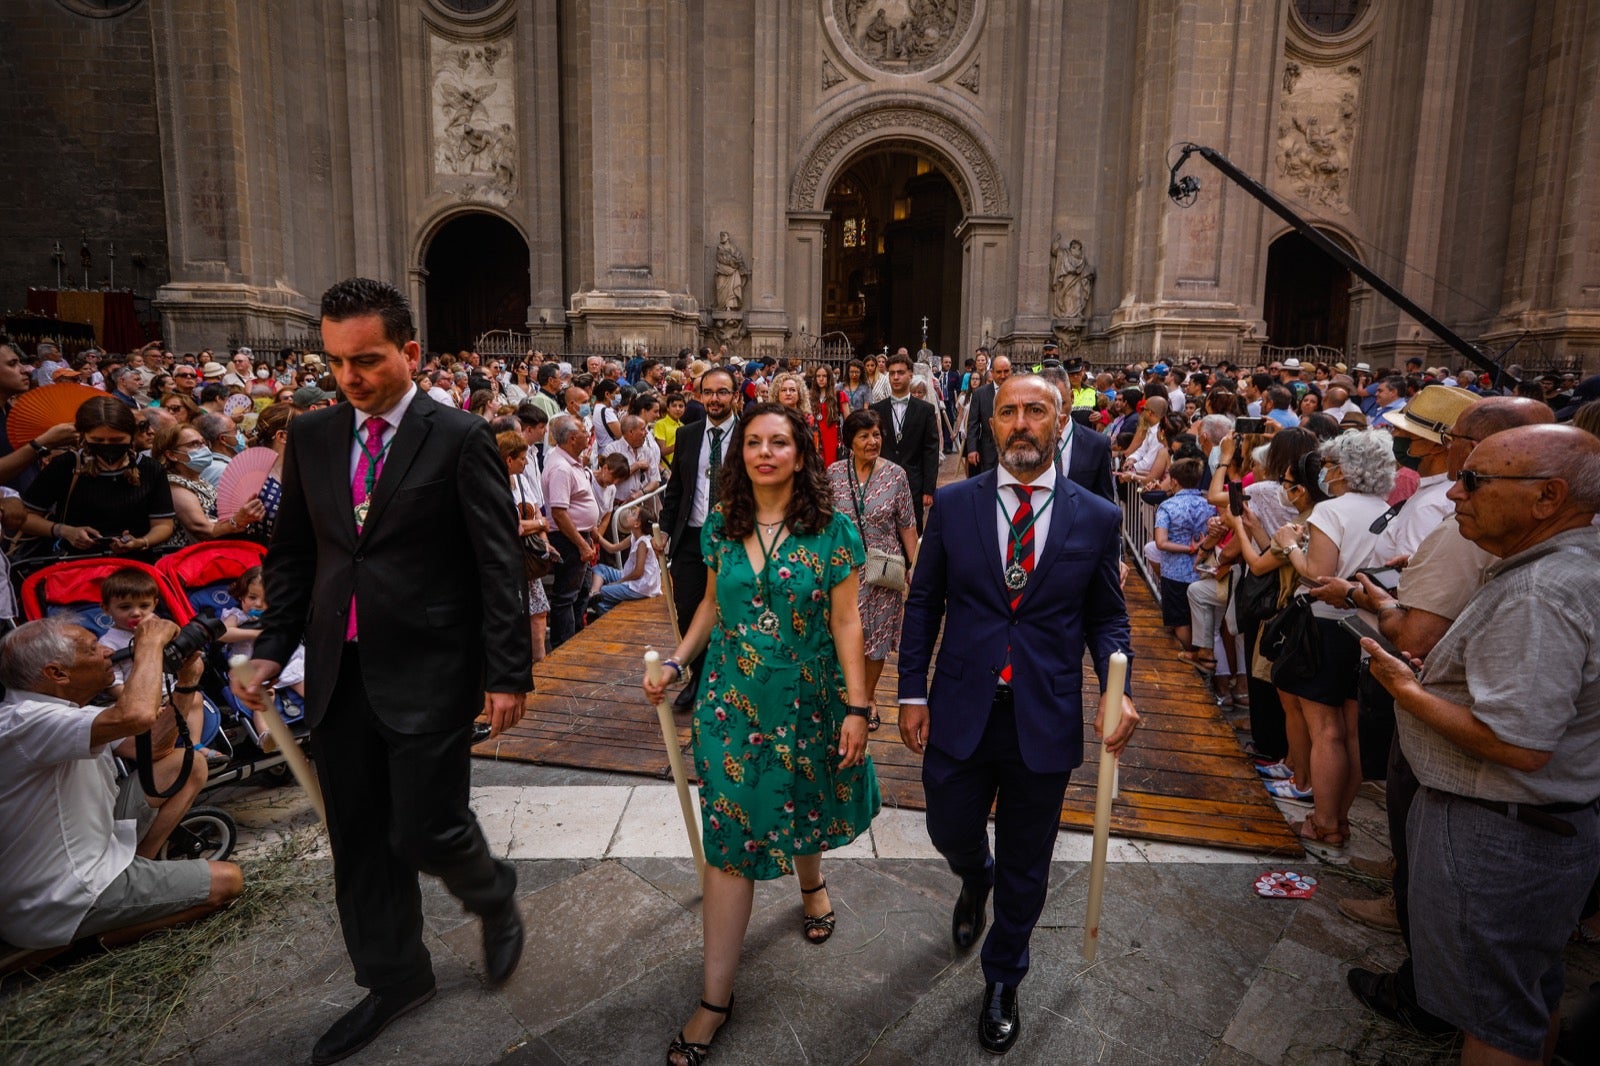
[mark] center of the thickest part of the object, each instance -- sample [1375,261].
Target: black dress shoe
[502,943]
[1389,997]
[998,1022]
[362,1023]
[966,924]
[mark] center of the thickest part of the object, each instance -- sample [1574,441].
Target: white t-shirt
[633,485]
[117,639]
[438,395]
[63,844]
[1347,520]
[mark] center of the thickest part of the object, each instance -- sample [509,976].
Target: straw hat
[1432,412]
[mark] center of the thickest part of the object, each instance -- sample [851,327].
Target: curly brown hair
[810,505]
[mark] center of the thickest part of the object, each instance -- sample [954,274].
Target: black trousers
[1027,815]
[398,804]
[569,596]
[689,587]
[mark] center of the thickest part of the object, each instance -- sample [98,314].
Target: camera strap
[144,762]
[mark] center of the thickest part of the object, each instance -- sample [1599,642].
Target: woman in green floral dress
[780,729]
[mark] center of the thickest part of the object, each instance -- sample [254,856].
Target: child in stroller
[243,622]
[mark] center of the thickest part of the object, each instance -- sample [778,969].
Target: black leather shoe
[998,1022]
[967,923]
[1387,996]
[362,1023]
[502,943]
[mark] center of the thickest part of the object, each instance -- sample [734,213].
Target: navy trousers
[1027,807]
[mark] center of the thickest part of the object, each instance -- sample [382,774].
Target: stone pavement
[1193,968]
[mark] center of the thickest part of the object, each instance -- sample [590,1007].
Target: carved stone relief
[830,74]
[1317,115]
[969,80]
[474,110]
[733,272]
[1071,290]
[929,132]
[903,36]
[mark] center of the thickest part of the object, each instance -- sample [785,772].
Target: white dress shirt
[392,419]
[702,483]
[1064,447]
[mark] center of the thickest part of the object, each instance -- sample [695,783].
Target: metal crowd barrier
[1138,529]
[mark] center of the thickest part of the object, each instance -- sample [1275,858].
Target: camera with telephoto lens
[192,637]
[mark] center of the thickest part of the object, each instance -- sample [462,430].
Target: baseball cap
[306,395]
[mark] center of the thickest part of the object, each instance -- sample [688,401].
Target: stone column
[1035,205]
[804,273]
[986,265]
[765,316]
[219,97]
[629,60]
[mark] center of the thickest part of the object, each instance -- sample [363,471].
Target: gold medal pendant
[361,513]
[767,623]
[1016,577]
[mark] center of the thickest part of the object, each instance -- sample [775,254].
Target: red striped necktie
[1019,552]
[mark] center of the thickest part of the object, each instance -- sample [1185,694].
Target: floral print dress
[766,726]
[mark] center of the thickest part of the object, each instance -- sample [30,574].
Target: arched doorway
[1307,298]
[477,270]
[890,254]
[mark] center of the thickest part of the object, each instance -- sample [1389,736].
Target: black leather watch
[852,711]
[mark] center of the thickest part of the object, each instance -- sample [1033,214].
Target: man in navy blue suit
[1082,453]
[1022,566]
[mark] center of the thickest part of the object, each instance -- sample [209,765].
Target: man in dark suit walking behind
[910,434]
[981,453]
[402,641]
[1021,567]
[1082,453]
[690,496]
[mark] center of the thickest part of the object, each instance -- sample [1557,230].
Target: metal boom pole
[1185,188]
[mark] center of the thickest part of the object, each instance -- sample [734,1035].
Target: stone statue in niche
[1316,132]
[474,119]
[733,270]
[1071,284]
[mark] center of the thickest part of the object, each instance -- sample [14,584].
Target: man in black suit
[402,642]
[690,496]
[910,434]
[1082,453]
[981,453]
[950,385]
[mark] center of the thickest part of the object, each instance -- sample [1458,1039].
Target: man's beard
[1023,452]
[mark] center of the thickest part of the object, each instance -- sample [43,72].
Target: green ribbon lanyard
[771,557]
[372,459]
[859,491]
[1011,526]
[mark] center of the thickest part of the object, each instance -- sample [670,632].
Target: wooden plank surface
[1184,778]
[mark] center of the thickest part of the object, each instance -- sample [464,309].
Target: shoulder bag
[883,569]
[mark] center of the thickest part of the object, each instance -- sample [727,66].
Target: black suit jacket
[436,570]
[916,447]
[980,438]
[678,500]
[1090,462]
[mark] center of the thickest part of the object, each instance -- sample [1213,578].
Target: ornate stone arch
[438,219]
[954,145]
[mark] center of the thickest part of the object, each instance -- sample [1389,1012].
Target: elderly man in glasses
[1502,729]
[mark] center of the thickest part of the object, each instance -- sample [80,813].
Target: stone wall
[82,148]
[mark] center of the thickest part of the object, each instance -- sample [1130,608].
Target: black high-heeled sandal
[873,722]
[823,924]
[695,1054]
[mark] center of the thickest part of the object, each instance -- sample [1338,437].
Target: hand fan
[243,479]
[39,409]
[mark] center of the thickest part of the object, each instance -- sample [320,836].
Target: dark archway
[1307,298]
[477,268]
[891,256]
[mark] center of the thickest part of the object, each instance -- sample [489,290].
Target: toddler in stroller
[243,622]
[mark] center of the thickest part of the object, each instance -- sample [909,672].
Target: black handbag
[1290,641]
[1255,597]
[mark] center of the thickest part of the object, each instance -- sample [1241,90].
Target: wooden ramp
[1184,777]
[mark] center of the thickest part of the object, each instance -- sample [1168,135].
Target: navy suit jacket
[1091,462]
[1073,600]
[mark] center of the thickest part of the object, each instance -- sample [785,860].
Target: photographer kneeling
[58,786]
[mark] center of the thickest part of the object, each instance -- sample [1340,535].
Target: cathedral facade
[784,173]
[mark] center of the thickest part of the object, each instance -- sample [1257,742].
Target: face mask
[197,458]
[1215,459]
[585,410]
[1402,453]
[263,374]
[239,443]
[109,454]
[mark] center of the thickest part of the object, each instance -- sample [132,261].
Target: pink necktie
[369,467]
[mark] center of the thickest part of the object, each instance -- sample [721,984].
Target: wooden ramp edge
[1184,777]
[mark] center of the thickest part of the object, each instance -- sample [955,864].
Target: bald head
[1495,414]
[1540,481]
[1155,408]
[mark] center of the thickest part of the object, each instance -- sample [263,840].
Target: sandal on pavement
[1323,843]
[823,924]
[695,1054]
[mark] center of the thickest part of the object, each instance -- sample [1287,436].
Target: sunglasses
[1472,481]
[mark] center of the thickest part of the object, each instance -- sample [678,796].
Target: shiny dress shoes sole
[999,1022]
[363,1023]
[968,919]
